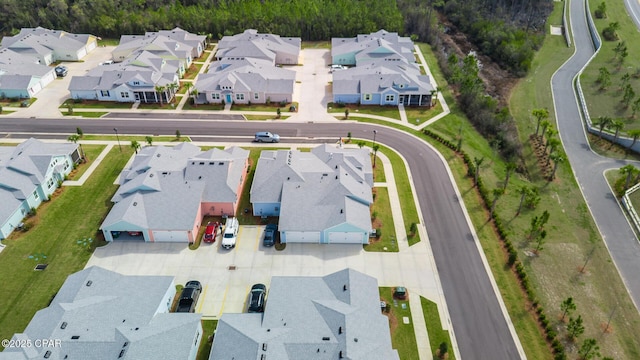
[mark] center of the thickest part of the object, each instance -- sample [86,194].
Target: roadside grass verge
[608,102]
[6,112]
[273,107]
[437,335]
[208,327]
[418,115]
[386,111]
[74,214]
[378,171]
[128,138]
[86,114]
[264,117]
[403,337]
[382,219]
[157,106]
[95,104]
[189,106]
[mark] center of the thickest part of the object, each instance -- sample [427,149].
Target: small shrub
[378,233]
[374,215]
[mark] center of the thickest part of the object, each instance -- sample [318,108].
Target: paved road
[588,166]
[476,315]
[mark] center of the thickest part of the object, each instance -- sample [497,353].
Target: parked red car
[210,232]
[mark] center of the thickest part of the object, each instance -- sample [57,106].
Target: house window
[104,93]
[240,97]
[215,96]
[367,97]
[50,183]
[401,86]
[124,94]
[389,98]
[136,83]
[35,195]
[66,165]
[256,96]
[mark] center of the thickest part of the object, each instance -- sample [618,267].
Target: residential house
[166,191]
[322,196]
[100,314]
[142,78]
[197,42]
[336,316]
[244,81]
[159,45]
[29,174]
[250,44]
[384,73]
[50,46]
[22,76]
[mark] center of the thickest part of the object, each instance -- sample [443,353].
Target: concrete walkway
[202,70]
[94,165]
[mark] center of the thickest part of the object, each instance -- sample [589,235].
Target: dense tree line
[509,32]
[309,19]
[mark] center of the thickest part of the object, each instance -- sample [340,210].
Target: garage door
[303,236]
[339,237]
[170,236]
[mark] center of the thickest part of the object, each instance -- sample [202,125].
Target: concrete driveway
[313,86]
[227,276]
[57,91]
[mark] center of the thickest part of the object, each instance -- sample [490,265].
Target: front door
[137,96]
[228,98]
[401,100]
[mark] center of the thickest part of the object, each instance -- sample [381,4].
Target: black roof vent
[326,338]
[89,283]
[63,325]
[75,337]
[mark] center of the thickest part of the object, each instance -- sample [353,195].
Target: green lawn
[263,107]
[95,104]
[607,102]
[108,42]
[157,106]
[73,215]
[403,337]
[383,220]
[208,327]
[354,109]
[418,115]
[437,335]
[189,106]
[378,171]
[316,45]
[91,152]
[86,114]
[141,139]
[264,117]
[193,70]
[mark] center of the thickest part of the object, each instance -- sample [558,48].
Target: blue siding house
[29,174]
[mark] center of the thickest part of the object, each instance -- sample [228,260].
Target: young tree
[551,132]
[557,159]
[635,107]
[159,90]
[149,140]
[618,49]
[601,122]
[589,349]
[628,95]
[616,125]
[575,327]
[73,138]
[496,195]
[544,125]
[346,113]
[609,32]
[540,241]
[510,167]
[532,199]
[477,162]
[635,134]
[567,307]
[553,144]
[79,132]
[135,146]
[628,170]
[601,11]
[604,78]
[625,80]
[540,114]
[523,190]
[278,113]
[178,134]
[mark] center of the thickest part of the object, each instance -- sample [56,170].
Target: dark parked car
[270,235]
[257,298]
[189,297]
[61,71]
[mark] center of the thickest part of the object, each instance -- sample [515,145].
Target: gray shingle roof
[317,190]
[247,75]
[326,315]
[108,313]
[375,78]
[252,44]
[165,186]
[44,41]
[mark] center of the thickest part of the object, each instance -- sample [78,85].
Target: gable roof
[262,46]
[247,75]
[376,78]
[331,315]
[316,190]
[98,313]
[43,41]
[164,186]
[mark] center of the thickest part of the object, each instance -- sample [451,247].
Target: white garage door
[303,236]
[345,237]
[170,236]
[91,45]
[81,53]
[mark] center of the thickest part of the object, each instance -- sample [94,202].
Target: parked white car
[230,233]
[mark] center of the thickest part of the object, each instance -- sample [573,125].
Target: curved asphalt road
[588,166]
[478,321]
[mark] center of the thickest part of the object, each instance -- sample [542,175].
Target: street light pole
[118,138]
[375,148]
